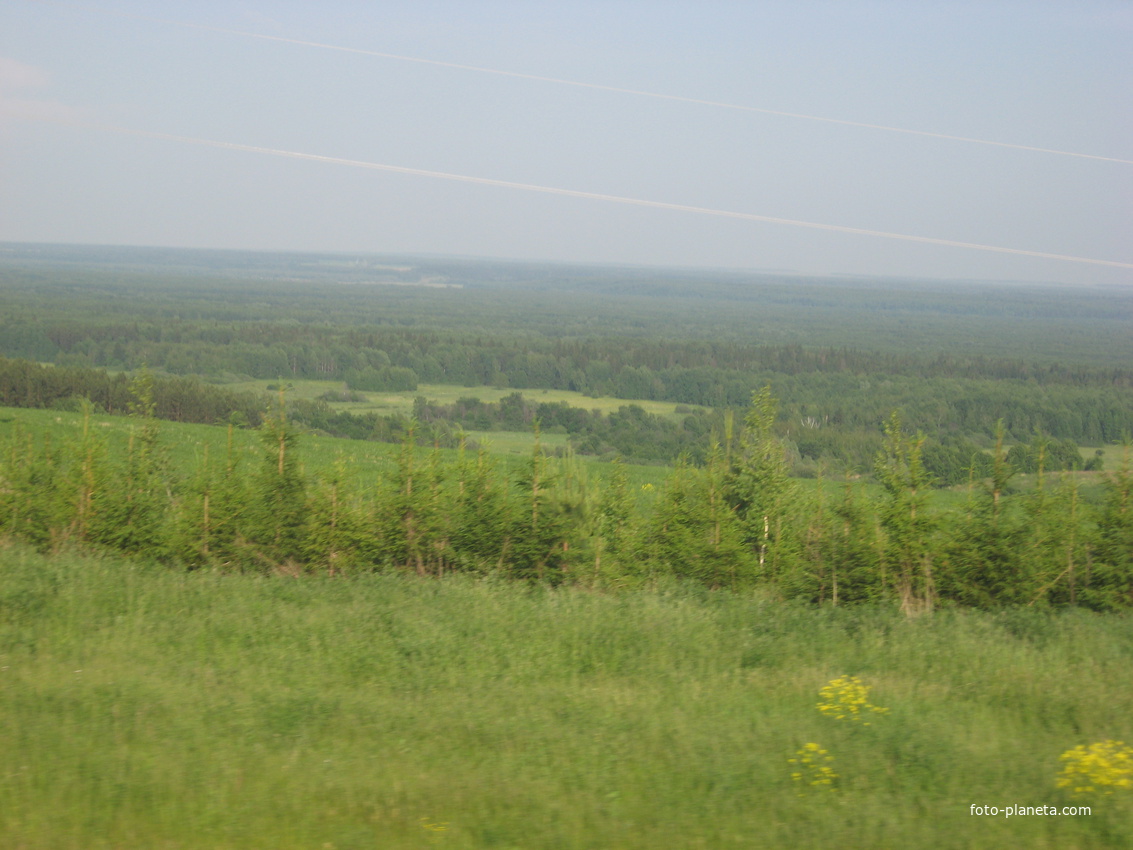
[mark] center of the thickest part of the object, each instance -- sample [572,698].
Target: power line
[597,196]
[597,86]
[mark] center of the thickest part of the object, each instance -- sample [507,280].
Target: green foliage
[338,537]
[541,524]
[40,489]
[842,557]
[1109,580]
[952,462]
[761,493]
[695,533]
[737,522]
[614,527]
[278,493]
[413,519]
[179,399]
[1046,455]
[735,514]
[908,548]
[482,522]
[954,360]
[128,511]
[147,707]
[294,681]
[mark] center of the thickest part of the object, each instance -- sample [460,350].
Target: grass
[517,442]
[402,402]
[1113,455]
[148,708]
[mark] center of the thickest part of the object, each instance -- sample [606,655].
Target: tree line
[630,432]
[740,521]
[839,390]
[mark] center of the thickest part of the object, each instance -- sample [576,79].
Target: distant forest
[956,359]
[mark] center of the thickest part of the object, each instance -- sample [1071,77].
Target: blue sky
[1057,76]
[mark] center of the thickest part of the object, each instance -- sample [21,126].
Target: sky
[152,123]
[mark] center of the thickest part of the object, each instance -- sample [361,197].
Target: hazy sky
[1045,75]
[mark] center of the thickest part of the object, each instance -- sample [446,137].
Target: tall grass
[146,708]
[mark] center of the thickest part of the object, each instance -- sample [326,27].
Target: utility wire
[596,196]
[594,86]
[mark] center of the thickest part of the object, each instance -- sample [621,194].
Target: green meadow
[402,402]
[143,707]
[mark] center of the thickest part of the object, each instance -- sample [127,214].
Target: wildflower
[1099,768]
[813,768]
[846,698]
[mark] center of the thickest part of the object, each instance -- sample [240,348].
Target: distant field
[145,708]
[518,443]
[1113,456]
[513,443]
[402,402]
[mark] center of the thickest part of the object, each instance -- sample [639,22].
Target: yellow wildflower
[847,698]
[814,770]
[1100,768]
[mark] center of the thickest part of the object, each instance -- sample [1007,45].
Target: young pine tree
[906,528]
[984,553]
[131,515]
[613,531]
[278,516]
[694,532]
[483,515]
[1063,555]
[37,491]
[851,550]
[337,538]
[540,529]
[1109,581]
[760,490]
[216,515]
[414,517]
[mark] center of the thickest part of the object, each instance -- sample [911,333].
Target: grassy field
[146,708]
[499,442]
[402,402]
[517,443]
